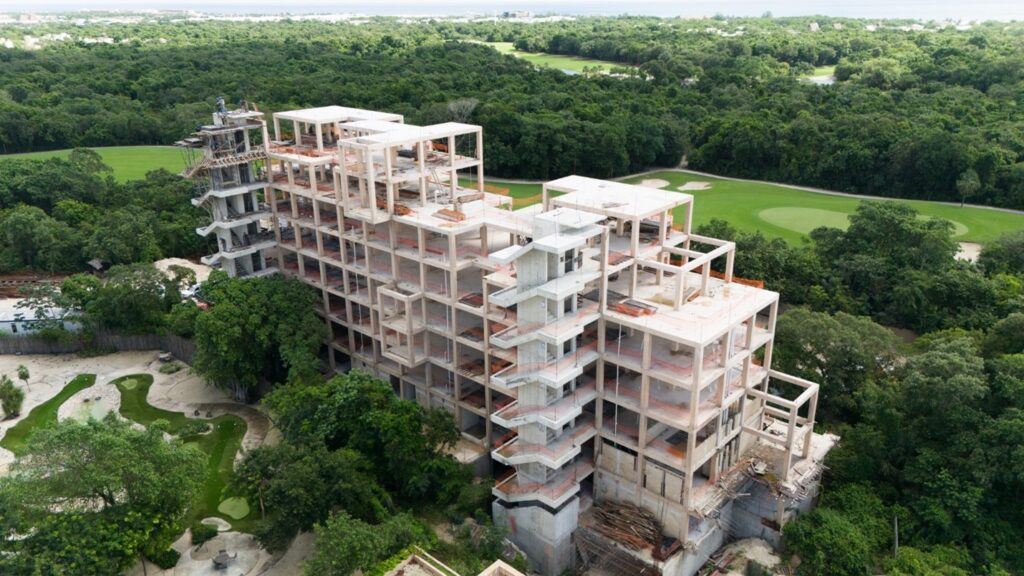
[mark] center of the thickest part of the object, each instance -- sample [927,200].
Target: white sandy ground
[969,251]
[655,183]
[695,186]
[202,271]
[750,549]
[180,392]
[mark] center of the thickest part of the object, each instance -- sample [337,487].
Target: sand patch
[695,186]
[93,402]
[969,251]
[747,551]
[219,523]
[202,271]
[654,183]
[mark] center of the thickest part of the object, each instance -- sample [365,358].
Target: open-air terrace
[702,318]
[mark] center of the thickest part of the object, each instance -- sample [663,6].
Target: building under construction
[599,359]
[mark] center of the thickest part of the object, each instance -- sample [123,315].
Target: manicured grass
[790,214]
[127,162]
[515,189]
[220,445]
[822,71]
[43,415]
[552,60]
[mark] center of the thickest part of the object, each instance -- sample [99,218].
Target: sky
[921,9]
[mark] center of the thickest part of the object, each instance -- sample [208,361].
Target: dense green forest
[933,432]
[929,114]
[56,214]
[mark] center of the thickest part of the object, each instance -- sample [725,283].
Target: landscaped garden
[44,414]
[220,438]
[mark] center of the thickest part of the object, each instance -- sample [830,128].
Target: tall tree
[90,497]
[257,331]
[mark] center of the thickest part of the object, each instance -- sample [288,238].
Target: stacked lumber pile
[400,210]
[634,308]
[450,215]
[627,524]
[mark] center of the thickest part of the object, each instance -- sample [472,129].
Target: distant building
[23,321]
[813,27]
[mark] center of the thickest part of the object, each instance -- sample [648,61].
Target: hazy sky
[924,9]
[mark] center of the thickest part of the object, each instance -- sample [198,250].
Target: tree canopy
[90,497]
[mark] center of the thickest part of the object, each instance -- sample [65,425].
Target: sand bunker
[93,402]
[969,251]
[695,186]
[655,183]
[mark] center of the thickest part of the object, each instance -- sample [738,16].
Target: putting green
[129,383]
[236,508]
[803,220]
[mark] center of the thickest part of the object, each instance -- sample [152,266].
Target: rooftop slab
[330,114]
[614,199]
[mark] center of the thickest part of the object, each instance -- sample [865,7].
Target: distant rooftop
[330,114]
[614,199]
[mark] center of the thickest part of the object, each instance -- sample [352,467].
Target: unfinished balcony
[554,454]
[554,372]
[554,330]
[669,445]
[554,416]
[621,425]
[556,491]
[406,349]
[557,289]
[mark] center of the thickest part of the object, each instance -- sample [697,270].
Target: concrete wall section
[545,537]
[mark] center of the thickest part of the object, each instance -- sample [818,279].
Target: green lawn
[43,415]
[822,71]
[552,60]
[515,189]
[780,211]
[127,162]
[221,445]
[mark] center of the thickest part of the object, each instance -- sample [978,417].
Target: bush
[202,533]
[170,368]
[11,397]
[165,560]
[193,429]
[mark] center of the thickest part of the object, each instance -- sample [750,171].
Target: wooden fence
[182,348]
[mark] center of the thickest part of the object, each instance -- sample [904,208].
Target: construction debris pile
[627,524]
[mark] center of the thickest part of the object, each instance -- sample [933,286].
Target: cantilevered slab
[614,199]
[329,114]
[416,134]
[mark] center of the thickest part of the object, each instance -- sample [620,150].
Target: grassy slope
[221,445]
[551,60]
[791,214]
[127,162]
[780,211]
[822,71]
[44,414]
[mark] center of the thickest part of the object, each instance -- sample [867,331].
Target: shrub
[170,368]
[11,397]
[167,559]
[193,429]
[202,533]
